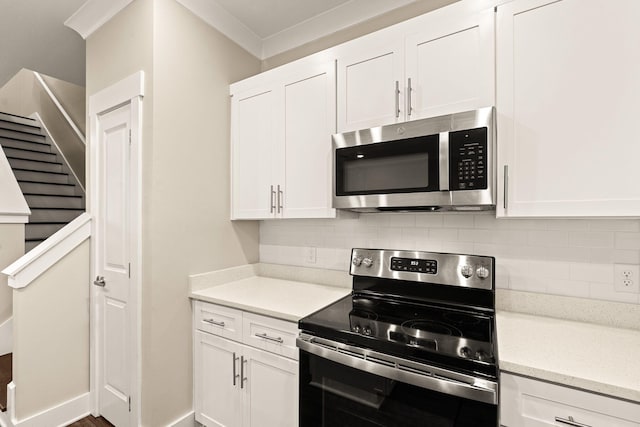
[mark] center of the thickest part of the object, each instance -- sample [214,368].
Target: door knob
[99,281]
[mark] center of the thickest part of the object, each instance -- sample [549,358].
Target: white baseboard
[60,415]
[4,420]
[6,337]
[188,420]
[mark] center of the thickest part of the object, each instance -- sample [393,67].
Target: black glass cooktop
[420,331]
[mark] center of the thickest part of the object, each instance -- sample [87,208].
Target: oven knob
[356,329]
[466,271]
[465,352]
[366,330]
[357,261]
[367,262]
[482,356]
[482,272]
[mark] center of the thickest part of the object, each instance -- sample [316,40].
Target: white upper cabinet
[370,77]
[438,63]
[567,104]
[281,128]
[254,152]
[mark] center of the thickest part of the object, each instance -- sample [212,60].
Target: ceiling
[269,27]
[32,35]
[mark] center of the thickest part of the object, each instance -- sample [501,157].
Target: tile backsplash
[573,257]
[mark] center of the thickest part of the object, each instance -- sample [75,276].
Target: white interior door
[112,263]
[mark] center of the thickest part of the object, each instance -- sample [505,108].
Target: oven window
[409,165]
[333,395]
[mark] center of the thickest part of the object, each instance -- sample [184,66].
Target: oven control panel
[469,271]
[427,266]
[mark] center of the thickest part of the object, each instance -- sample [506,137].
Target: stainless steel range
[413,345]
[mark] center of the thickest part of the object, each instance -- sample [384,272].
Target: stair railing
[44,256]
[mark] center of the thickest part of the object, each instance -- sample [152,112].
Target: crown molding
[218,17]
[336,19]
[93,15]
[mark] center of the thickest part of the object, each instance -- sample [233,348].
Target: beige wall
[71,97]
[186,229]
[411,10]
[51,336]
[11,248]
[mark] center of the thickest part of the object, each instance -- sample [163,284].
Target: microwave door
[386,168]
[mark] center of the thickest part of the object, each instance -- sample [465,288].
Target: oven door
[351,387]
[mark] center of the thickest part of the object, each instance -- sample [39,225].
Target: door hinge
[129,270]
[129,403]
[129,136]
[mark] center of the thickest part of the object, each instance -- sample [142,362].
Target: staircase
[51,191]
[5,379]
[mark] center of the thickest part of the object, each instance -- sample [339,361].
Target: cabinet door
[270,390]
[567,104]
[370,84]
[218,402]
[530,403]
[254,149]
[450,64]
[309,122]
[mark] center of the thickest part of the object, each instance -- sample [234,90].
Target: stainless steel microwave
[437,164]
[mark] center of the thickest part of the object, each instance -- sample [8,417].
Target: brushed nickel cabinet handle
[242,377]
[397,95]
[505,196]
[267,337]
[570,421]
[409,108]
[272,200]
[280,197]
[235,375]
[214,322]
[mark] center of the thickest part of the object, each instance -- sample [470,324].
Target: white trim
[6,337]
[93,15]
[53,141]
[6,218]
[60,415]
[117,94]
[59,106]
[218,17]
[344,16]
[187,420]
[129,90]
[38,260]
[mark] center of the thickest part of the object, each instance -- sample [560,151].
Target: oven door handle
[406,371]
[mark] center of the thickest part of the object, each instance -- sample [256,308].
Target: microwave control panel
[468,159]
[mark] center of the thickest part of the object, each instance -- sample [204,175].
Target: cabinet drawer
[219,320]
[530,403]
[273,335]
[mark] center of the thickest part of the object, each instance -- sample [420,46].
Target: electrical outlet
[310,255]
[626,278]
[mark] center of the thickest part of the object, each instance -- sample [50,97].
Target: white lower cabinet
[240,385]
[525,402]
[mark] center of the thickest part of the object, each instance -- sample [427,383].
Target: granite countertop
[539,336]
[598,358]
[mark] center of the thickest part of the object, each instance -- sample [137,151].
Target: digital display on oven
[428,266]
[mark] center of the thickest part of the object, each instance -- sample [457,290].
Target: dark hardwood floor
[91,422]
[5,378]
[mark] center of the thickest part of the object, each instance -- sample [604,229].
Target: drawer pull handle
[571,422]
[213,322]
[267,337]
